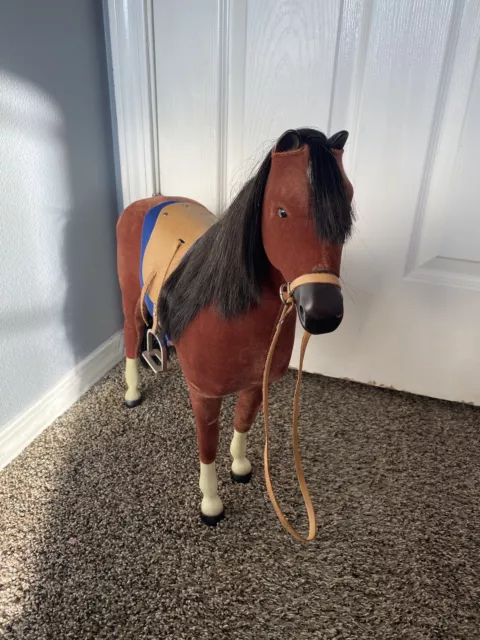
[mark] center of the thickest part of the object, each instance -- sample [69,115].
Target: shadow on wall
[60,297]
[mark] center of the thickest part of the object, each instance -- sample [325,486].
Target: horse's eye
[282,213]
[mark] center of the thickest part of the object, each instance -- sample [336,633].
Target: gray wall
[59,297]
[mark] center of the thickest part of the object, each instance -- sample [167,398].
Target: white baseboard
[27,426]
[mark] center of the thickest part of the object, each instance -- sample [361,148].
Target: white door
[404,78]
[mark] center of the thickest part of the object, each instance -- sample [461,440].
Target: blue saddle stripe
[149,223]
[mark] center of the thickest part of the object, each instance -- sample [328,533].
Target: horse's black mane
[227,265]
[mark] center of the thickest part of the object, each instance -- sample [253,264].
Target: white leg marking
[241,465]
[132,379]
[211,503]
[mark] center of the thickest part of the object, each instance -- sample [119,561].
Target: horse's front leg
[248,404]
[207,412]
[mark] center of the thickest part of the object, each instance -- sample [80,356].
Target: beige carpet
[100,535]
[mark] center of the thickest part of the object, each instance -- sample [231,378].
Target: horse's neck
[273,280]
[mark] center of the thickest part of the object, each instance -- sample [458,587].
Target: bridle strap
[286,293]
[145,290]
[179,243]
[314,278]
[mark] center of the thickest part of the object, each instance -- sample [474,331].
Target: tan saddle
[169,231]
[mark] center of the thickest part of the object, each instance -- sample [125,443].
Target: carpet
[101,538]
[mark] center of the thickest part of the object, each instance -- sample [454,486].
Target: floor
[100,535]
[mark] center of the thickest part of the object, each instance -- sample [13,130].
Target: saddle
[169,231]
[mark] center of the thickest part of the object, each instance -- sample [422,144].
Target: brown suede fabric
[207,412]
[249,402]
[219,356]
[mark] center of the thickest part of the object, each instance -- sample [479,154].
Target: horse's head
[306,218]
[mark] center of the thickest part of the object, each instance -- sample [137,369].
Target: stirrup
[156,357]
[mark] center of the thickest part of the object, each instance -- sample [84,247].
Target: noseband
[287,289]
[286,295]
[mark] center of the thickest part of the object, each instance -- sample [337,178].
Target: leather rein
[286,295]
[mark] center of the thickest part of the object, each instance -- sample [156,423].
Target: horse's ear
[289,141]
[338,140]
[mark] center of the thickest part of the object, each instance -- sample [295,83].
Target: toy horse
[210,286]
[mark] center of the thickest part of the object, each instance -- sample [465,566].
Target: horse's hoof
[241,479]
[130,404]
[212,521]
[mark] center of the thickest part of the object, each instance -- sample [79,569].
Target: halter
[286,295]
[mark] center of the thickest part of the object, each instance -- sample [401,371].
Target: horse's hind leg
[133,334]
[207,412]
[248,404]
[129,241]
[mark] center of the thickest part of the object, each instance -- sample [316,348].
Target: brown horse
[218,300]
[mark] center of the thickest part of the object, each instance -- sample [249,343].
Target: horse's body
[222,336]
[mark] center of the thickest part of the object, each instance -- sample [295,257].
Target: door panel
[404,78]
[187,87]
